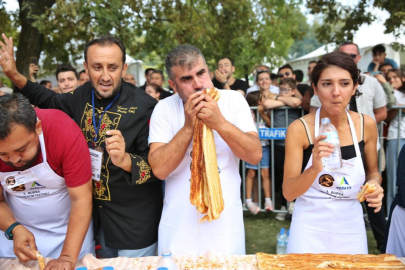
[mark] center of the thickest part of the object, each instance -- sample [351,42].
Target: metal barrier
[272,179]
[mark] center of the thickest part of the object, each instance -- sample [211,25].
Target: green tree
[340,21]
[247,30]
[308,42]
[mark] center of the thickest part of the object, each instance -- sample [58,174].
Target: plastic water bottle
[167,262]
[281,242]
[334,161]
[286,240]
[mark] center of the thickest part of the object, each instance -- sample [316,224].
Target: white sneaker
[291,208]
[281,216]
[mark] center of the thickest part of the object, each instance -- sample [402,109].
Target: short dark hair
[273,76]
[106,40]
[252,98]
[349,43]
[299,75]
[65,68]
[16,109]
[312,62]
[44,82]
[159,72]
[230,59]
[385,65]
[337,59]
[183,55]
[83,71]
[148,70]
[285,66]
[378,49]
[290,82]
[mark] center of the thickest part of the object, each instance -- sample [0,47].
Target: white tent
[366,38]
[366,53]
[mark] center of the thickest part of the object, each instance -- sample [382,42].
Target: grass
[261,231]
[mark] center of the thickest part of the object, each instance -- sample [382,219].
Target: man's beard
[107,95]
[28,163]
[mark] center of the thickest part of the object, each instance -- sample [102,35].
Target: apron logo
[326,180]
[344,184]
[36,184]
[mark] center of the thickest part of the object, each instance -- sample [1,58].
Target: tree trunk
[31,40]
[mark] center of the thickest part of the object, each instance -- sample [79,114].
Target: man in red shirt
[45,191]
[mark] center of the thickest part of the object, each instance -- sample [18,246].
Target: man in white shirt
[170,140]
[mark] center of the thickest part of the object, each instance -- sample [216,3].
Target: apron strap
[317,121]
[43,149]
[354,135]
[361,126]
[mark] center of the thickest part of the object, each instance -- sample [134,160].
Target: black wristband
[277,97]
[8,233]
[223,84]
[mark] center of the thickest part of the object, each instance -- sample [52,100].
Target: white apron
[328,218]
[43,207]
[179,228]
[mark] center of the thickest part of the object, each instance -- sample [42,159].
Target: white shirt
[393,129]
[179,229]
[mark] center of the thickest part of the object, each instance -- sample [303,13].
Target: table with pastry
[259,261]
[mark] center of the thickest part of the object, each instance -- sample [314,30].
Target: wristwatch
[8,233]
[223,84]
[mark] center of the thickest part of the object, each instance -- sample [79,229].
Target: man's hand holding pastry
[24,243]
[193,105]
[211,114]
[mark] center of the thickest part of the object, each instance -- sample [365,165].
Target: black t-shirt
[164,94]
[128,206]
[302,88]
[237,85]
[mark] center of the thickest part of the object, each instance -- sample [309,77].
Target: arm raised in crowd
[37,94]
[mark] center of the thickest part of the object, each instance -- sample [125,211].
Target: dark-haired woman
[327,216]
[154,91]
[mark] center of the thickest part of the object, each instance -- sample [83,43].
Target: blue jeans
[391,169]
[107,252]
[264,162]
